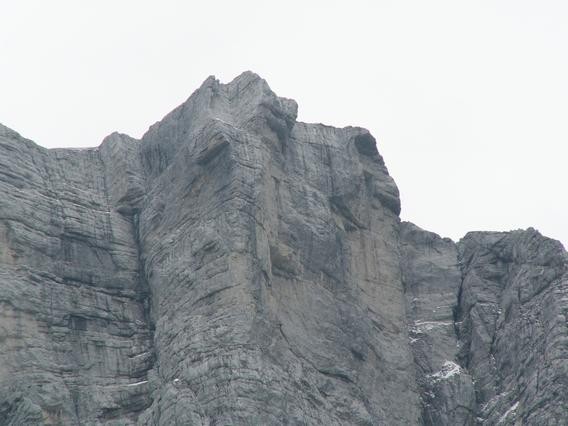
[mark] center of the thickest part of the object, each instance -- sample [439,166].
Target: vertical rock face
[236,266]
[512,320]
[432,277]
[273,264]
[74,330]
[488,326]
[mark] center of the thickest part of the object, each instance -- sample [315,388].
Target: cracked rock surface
[235,266]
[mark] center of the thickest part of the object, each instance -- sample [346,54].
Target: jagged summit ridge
[236,266]
[242,104]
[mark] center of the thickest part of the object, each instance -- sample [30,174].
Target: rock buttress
[271,248]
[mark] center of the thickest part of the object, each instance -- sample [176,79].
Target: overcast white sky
[468,99]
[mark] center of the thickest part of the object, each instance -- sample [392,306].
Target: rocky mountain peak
[236,266]
[246,103]
[6,131]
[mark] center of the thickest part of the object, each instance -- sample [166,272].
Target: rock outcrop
[235,266]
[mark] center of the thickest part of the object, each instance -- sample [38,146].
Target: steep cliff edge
[75,334]
[235,266]
[488,326]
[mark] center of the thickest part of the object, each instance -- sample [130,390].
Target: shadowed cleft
[367,145]
[339,206]
[212,151]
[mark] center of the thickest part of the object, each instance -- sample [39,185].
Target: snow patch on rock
[449,369]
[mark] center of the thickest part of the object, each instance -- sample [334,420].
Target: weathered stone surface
[488,326]
[277,294]
[432,277]
[74,330]
[512,321]
[236,266]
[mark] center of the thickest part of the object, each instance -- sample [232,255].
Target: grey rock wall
[432,277]
[512,321]
[488,326]
[235,266]
[271,256]
[75,335]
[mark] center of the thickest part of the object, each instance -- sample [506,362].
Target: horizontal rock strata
[235,266]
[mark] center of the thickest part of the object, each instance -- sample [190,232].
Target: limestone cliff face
[488,326]
[74,314]
[235,266]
